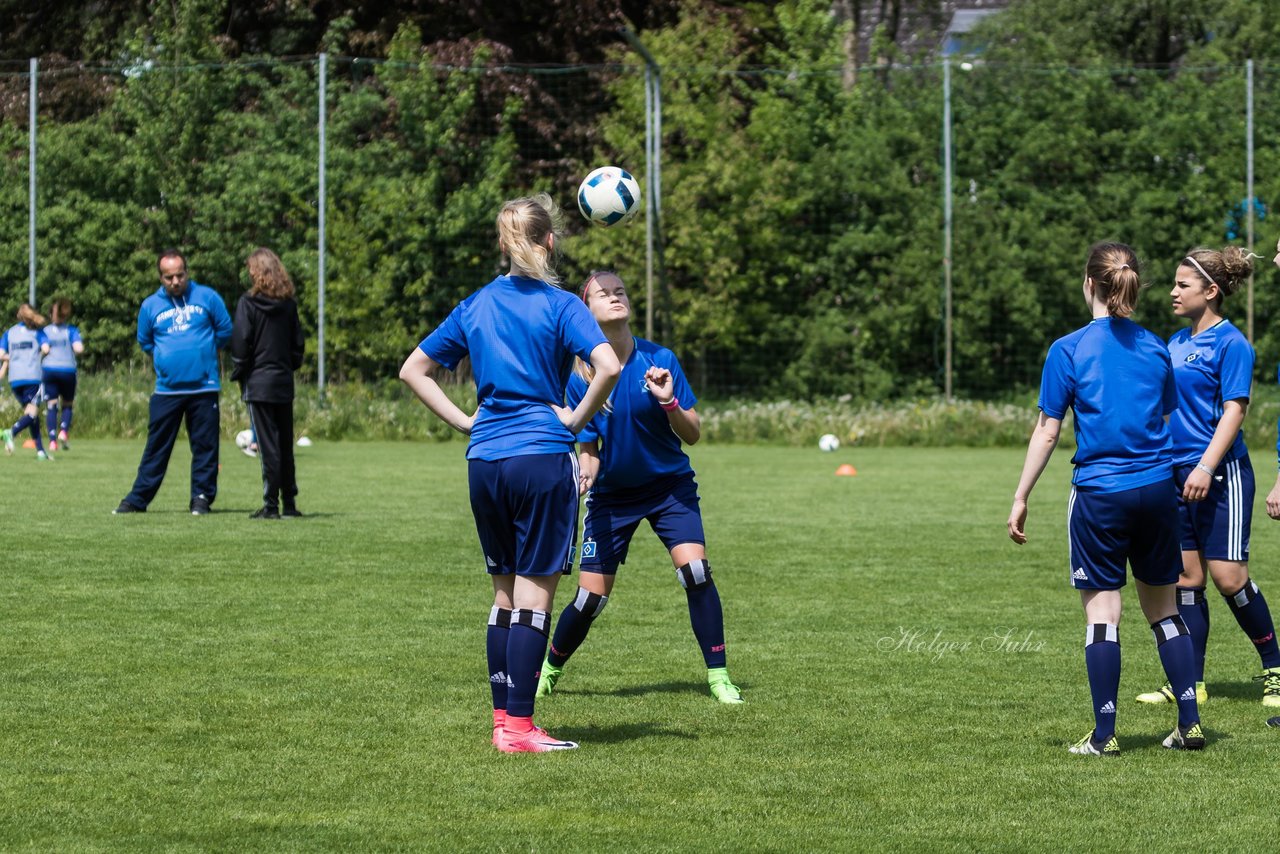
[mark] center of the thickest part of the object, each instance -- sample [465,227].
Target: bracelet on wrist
[1204,468]
[668,407]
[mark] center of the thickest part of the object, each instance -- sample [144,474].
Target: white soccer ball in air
[304,442]
[828,442]
[244,439]
[608,196]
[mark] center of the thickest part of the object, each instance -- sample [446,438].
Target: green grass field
[913,678]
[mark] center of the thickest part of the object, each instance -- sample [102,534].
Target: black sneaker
[126,507]
[291,512]
[265,513]
[200,506]
[1190,737]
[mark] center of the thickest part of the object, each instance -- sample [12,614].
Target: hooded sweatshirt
[267,346]
[183,335]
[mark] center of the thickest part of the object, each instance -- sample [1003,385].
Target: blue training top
[183,336]
[522,335]
[62,357]
[1210,369]
[1116,377]
[636,439]
[23,346]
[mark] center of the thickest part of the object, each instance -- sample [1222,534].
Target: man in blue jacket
[182,326]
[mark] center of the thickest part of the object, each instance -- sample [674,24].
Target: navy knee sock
[496,651]
[1254,617]
[1173,642]
[526,646]
[574,623]
[66,418]
[1194,611]
[705,612]
[1102,663]
[51,422]
[25,422]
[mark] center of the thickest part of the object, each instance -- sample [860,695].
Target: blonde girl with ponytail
[522,333]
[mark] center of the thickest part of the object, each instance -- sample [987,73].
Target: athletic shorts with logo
[669,504]
[28,393]
[526,511]
[1219,526]
[1135,526]
[60,384]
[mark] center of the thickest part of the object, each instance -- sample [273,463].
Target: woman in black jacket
[266,348]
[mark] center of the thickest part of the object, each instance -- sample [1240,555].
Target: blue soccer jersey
[636,439]
[23,346]
[62,355]
[522,335]
[1117,379]
[1210,369]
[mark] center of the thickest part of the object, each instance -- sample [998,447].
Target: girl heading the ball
[634,469]
[1116,379]
[522,334]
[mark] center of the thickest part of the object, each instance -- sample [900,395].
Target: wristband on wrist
[1204,468]
[668,407]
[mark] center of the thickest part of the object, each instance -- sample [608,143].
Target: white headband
[1207,277]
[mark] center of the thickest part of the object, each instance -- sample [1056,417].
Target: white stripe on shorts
[1071,504]
[573,529]
[1235,516]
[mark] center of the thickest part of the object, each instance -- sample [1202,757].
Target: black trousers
[273,424]
[167,414]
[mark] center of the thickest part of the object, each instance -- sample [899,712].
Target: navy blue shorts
[58,384]
[1219,526]
[670,504]
[526,511]
[27,394]
[1108,529]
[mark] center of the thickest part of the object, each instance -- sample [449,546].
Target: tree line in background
[802,179]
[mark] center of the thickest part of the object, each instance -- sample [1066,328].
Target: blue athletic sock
[51,422]
[1173,642]
[526,646]
[1194,611]
[1254,617]
[707,619]
[574,623]
[496,650]
[27,422]
[66,418]
[1102,663]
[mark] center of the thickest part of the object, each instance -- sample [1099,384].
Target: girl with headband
[1213,368]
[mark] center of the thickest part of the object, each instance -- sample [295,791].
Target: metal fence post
[946,224]
[653,179]
[320,272]
[31,186]
[1249,203]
